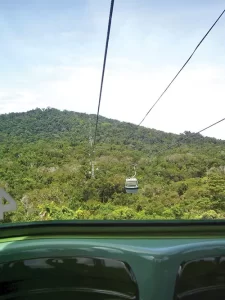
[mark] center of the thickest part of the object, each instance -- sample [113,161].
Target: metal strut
[134,172]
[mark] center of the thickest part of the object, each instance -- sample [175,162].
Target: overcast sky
[52,53]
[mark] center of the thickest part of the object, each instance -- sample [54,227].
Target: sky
[52,55]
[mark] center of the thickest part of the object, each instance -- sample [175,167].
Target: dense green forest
[45,166]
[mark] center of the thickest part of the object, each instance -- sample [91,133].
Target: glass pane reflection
[82,277]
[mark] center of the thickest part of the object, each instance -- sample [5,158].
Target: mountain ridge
[63,121]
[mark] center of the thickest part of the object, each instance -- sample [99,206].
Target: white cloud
[17,100]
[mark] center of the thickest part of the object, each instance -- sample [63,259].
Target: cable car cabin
[131,185]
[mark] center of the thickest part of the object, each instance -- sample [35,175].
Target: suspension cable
[189,136]
[103,70]
[181,68]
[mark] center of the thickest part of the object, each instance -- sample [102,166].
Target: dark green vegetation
[45,165]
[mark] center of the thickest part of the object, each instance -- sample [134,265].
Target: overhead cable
[181,68]
[189,136]
[103,70]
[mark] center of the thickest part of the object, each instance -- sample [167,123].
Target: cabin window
[80,278]
[201,279]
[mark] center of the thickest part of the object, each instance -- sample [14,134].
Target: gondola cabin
[131,185]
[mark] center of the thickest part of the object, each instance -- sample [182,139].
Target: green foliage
[45,166]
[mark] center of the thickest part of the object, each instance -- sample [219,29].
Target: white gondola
[131,185]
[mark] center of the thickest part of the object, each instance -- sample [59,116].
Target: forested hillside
[45,166]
